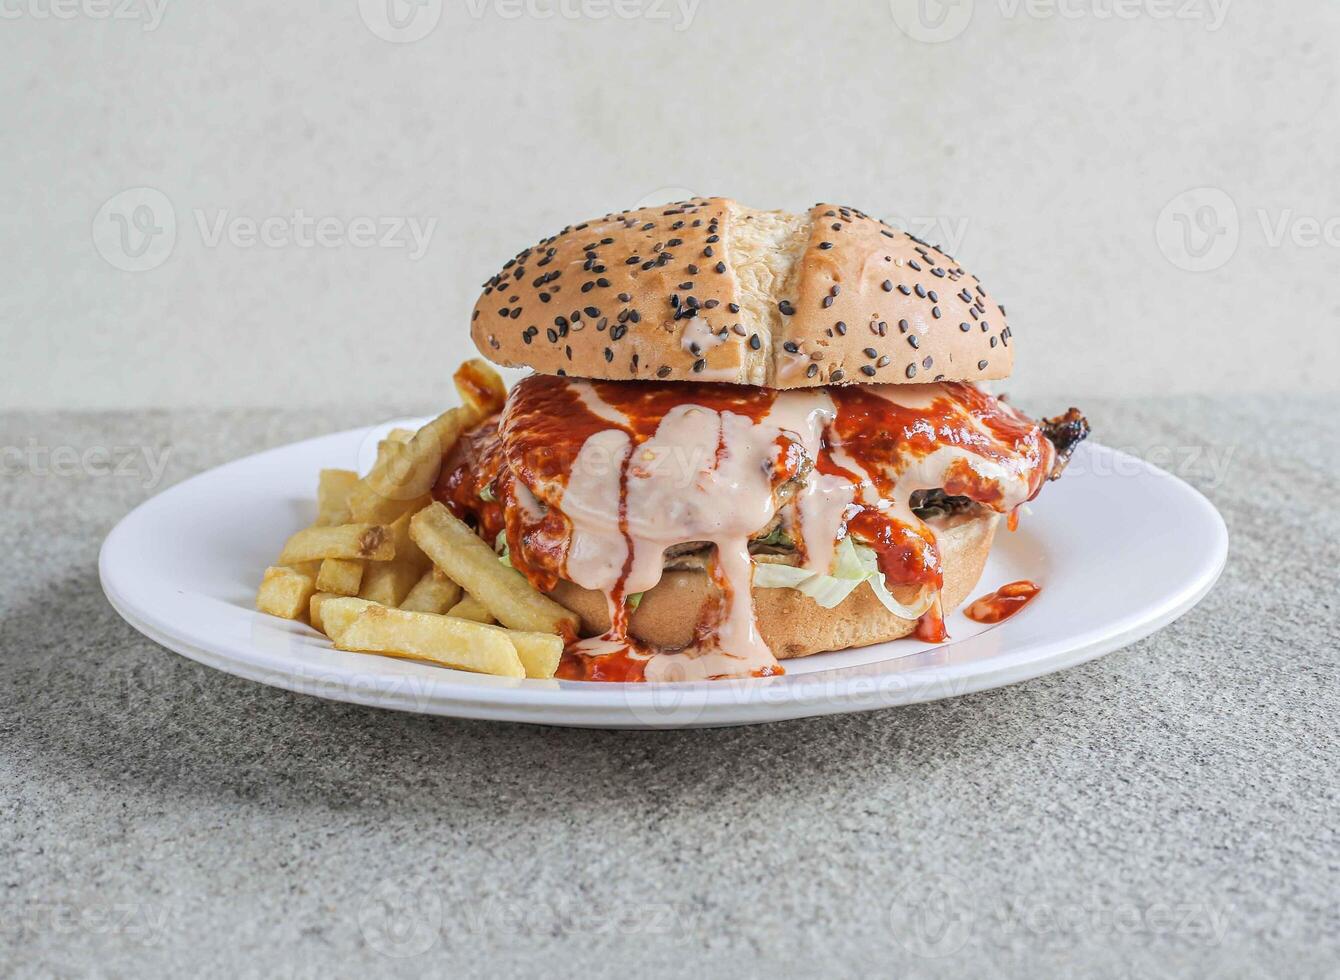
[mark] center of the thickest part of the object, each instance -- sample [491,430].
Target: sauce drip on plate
[998,606]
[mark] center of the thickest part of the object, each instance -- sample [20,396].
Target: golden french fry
[539,652]
[388,582]
[472,609]
[504,591]
[433,593]
[343,576]
[400,435]
[408,471]
[332,497]
[480,387]
[422,636]
[285,592]
[405,548]
[331,619]
[371,541]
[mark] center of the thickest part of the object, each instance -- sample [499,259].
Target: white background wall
[1047,144]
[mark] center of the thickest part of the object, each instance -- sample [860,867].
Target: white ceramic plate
[1120,548]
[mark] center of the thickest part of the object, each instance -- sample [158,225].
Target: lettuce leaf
[853,564]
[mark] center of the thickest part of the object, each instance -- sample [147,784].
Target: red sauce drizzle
[532,447]
[998,606]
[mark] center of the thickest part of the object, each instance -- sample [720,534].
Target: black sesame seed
[934,296]
[632,260]
[903,326]
[965,327]
[812,370]
[904,290]
[981,365]
[836,375]
[552,334]
[927,363]
[699,364]
[913,340]
[624,297]
[911,371]
[733,307]
[825,245]
[721,267]
[618,332]
[827,302]
[663,371]
[841,328]
[591,311]
[883,361]
[609,355]
[868,370]
[786,307]
[920,291]
[887,285]
[790,347]
[754,342]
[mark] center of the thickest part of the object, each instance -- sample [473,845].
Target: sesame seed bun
[709,290]
[791,623]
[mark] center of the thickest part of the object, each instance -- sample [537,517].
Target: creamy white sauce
[705,476]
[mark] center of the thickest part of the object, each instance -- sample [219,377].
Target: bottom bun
[792,624]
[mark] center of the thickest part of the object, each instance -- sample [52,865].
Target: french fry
[400,435]
[405,547]
[404,475]
[433,593]
[422,636]
[331,619]
[285,592]
[332,497]
[480,387]
[388,582]
[371,541]
[343,576]
[539,652]
[472,609]
[504,591]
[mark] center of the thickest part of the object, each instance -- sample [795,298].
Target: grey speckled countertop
[1170,809]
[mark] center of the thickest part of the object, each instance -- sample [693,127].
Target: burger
[748,436]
